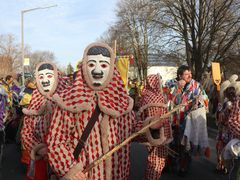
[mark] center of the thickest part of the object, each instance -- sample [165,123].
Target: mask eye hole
[90,65]
[104,66]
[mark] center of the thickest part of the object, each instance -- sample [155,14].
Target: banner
[216,74]
[26,62]
[123,66]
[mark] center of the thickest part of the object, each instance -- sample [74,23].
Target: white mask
[98,67]
[46,79]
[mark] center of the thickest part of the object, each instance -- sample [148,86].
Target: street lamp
[22,29]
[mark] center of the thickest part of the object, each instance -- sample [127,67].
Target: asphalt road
[201,168]
[12,168]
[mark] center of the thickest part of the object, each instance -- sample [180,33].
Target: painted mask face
[46,79]
[98,67]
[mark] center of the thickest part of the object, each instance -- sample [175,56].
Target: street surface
[201,168]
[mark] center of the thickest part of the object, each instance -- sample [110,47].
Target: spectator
[184,89]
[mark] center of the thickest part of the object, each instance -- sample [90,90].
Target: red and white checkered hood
[112,100]
[37,116]
[152,106]
[152,92]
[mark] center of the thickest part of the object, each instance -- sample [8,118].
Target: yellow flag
[122,66]
[26,62]
[216,74]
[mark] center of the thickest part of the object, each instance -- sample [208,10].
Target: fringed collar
[112,100]
[38,103]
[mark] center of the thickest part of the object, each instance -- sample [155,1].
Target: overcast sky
[65,30]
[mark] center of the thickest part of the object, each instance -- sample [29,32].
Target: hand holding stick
[134,135]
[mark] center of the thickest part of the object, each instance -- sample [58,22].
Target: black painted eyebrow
[91,60]
[49,73]
[104,62]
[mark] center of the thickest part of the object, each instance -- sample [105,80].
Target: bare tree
[135,33]
[207,29]
[10,52]
[138,32]
[38,57]
[70,69]
[11,60]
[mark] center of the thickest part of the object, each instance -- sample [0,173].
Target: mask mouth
[45,84]
[97,76]
[97,84]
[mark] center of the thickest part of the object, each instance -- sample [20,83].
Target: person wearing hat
[234,117]
[234,126]
[231,155]
[223,135]
[30,86]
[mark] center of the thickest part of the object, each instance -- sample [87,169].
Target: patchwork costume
[37,118]
[234,119]
[189,124]
[153,104]
[112,126]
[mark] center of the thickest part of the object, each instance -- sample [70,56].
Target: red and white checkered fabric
[234,119]
[152,96]
[113,97]
[152,91]
[67,127]
[155,162]
[35,127]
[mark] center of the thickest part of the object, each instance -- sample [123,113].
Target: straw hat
[224,86]
[233,78]
[236,85]
[232,149]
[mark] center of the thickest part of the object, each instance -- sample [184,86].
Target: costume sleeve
[205,100]
[137,124]
[234,120]
[27,137]
[60,154]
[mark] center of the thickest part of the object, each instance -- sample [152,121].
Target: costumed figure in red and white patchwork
[231,152]
[97,87]
[234,117]
[152,106]
[224,135]
[37,118]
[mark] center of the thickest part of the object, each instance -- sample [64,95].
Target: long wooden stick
[126,141]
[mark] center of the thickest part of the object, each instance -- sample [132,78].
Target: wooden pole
[134,135]
[115,48]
